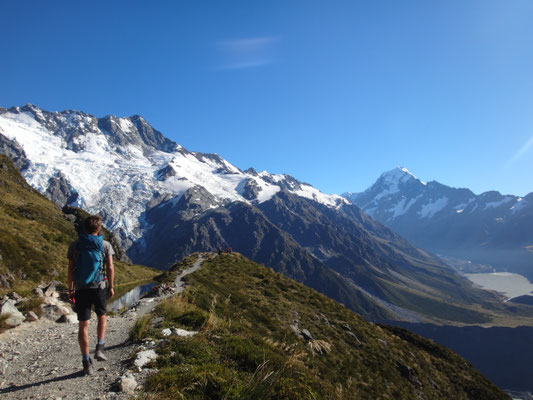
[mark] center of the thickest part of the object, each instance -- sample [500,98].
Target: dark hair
[92,224]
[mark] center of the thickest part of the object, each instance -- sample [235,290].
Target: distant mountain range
[489,228]
[164,202]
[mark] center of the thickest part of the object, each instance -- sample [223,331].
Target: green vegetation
[34,238]
[246,348]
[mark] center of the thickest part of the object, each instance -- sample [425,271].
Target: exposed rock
[59,191]
[15,296]
[128,384]
[51,290]
[5,279]
[38,291]
[306,334]
[15,316]
[67,318]
[250,189]
[354,336]
[166,332]
[53,311]
[183,332]
[409,373]
[144,357]
[31,316]
[14,151]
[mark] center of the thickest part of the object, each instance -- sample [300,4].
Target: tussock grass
[141,328]
[245,348]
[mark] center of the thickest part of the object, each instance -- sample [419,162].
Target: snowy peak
[398,195]
[120,167]
[398,175]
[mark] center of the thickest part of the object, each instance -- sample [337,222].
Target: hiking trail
[42,360]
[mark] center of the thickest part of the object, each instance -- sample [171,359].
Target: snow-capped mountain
[165,202]
[117,166]
[487,228]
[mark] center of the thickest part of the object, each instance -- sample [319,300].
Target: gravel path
[41,360]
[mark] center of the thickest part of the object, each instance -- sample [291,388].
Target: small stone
[166,332]
[306,334]
[31,316]
[3,366]
[102,369]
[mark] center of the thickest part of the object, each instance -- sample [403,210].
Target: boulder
[15,317]
[144,357]
[51,290]
[128,384]
[53,311]
[31,316]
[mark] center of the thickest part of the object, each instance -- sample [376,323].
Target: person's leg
[102,326]
[83,309]
[83,337]
[101,309]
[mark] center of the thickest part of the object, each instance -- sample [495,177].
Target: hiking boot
[99,353]
[88,367]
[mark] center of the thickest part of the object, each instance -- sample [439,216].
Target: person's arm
[70,278]
[110,275]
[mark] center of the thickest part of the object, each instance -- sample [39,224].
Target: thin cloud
[247,53]
[523,150]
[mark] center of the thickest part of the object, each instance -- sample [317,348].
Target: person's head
[92,225]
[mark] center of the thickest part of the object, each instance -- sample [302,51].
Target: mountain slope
[35,235]
[164,202]
[264,336]
[487,228]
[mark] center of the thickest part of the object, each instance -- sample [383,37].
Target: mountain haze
[489,228]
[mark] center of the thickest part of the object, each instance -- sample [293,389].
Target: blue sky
[331,92]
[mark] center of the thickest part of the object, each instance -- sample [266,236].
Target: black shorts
[86,298]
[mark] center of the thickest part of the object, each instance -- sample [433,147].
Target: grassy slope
[247,350]
[35,235]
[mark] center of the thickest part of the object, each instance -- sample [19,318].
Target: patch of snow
[309,192]
[401,208]
[267,191]
[494,204]
[520,203]
[125,124]
[430,209]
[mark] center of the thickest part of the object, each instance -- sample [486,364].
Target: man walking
[90,282]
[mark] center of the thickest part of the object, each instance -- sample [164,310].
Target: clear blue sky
[331,92]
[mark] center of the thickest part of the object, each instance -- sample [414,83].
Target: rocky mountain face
[164,202]
[489,228]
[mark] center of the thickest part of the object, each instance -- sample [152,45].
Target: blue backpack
[89,266]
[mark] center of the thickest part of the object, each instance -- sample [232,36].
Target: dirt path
[41,360]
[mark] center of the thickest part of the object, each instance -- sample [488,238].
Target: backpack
[89,266]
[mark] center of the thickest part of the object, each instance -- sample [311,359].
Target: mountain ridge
[489,228]
[164,206]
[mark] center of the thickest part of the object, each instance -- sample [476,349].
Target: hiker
[90,282]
